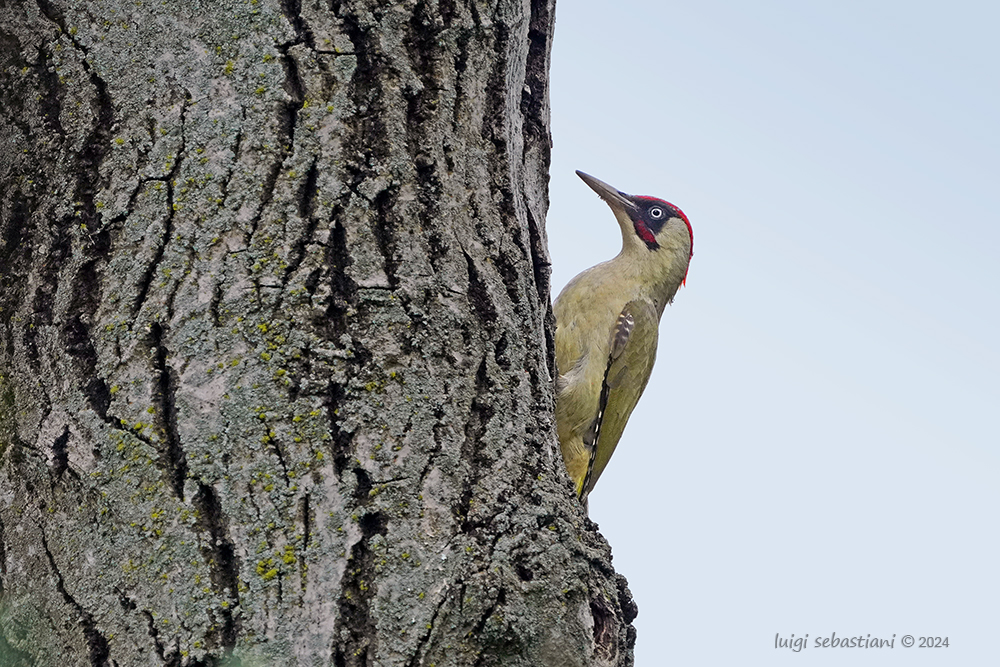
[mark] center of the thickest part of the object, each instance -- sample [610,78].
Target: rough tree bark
[275,357]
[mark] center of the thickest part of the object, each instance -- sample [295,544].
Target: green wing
[630,362]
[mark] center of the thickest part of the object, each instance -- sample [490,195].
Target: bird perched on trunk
[607,320]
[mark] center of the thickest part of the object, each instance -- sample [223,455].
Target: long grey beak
[613,197]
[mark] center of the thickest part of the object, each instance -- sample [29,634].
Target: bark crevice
[60,453]
[97,643]
[168,223]
[219,552]
[173,458]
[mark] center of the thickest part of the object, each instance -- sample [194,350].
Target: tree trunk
[276,354]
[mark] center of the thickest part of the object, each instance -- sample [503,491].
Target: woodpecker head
[651,228]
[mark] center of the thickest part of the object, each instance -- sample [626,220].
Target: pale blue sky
[818,450]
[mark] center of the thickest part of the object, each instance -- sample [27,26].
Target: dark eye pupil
[656,213]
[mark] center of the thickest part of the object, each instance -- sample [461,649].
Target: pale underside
[601,377]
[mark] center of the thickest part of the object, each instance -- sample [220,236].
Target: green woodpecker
[606,328]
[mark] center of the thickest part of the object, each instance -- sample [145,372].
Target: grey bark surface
[276,343]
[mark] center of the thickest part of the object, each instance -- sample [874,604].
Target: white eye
[656,213]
